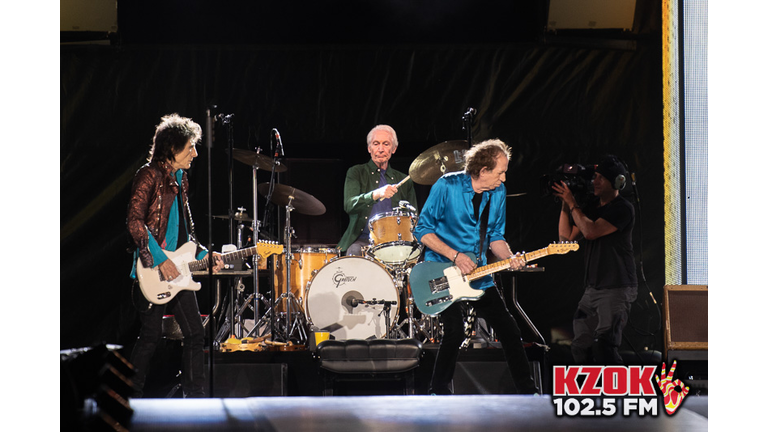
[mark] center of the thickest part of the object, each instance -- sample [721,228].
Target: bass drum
[347,298]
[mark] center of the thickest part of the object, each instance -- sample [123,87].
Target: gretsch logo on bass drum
[339,278]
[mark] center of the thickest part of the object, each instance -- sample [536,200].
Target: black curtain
[554,99]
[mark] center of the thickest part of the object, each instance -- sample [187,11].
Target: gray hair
[385,128]
[484,155]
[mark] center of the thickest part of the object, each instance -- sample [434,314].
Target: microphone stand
[211,299]
[232,299]
[467,118]
[270,190]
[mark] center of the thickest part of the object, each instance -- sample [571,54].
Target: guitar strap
[483,229]
[183,235]
[468,309]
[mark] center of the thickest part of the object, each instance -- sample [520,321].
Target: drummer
[370,189]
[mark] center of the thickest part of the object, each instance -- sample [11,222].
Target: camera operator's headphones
[615,170]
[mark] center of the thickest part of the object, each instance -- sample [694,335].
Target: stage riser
[251,374]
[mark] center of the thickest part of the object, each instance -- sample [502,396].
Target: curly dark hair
[171,136]
[484,154]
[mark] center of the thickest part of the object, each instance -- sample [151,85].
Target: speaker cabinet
[489,377]
[590,14]
[685,321]
[247,380]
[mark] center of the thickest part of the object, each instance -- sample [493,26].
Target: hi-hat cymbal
[240,217]
[440,159]
[260,161]
[302,202]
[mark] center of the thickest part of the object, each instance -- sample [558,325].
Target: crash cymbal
[440,159]
[302,202]
[260,161]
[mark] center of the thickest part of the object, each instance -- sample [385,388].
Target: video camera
[577,177]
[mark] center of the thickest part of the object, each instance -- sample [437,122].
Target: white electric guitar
[158,291]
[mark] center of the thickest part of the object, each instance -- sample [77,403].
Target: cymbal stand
[267,317]
[255,227]
[291,325]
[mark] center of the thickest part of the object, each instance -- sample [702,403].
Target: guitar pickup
[438,285]
[439,300]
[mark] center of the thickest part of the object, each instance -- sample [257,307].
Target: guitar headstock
[265,249]
[562,247]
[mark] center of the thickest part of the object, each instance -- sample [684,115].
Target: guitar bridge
[438,285]
[439,300]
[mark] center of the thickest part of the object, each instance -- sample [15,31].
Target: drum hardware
[292,199]
[385,310]
[256,161]
[239,216]
[307,261]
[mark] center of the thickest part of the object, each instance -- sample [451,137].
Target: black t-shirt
[610,259]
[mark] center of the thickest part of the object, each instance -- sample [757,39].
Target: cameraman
[610,279]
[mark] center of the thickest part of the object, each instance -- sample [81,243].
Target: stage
[393,413]
[284,391]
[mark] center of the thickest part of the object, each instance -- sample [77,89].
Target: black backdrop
[323,76]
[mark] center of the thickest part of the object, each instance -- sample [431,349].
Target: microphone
[224,118]
[470,113]
[406,205]
[279,151]
[351,301]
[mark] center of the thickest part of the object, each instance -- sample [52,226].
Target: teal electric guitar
[435,285]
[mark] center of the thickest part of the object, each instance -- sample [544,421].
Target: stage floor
[486,413]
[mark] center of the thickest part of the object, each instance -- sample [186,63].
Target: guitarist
[159,219]
[464,210]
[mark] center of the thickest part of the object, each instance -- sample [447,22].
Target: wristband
[455,256]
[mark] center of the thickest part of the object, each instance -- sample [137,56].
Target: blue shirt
[450,215]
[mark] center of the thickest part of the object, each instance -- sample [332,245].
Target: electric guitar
[158,291]
[435,285]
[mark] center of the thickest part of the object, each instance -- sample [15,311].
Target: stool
[364,360]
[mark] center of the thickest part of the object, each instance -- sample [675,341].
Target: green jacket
[359,185]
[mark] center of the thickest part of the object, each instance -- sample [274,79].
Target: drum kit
[316,290]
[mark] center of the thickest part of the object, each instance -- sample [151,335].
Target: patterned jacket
[154,189]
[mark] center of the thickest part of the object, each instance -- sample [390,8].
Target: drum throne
[369,360]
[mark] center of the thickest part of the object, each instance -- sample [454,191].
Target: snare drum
[305,263]
[392,237]
[348,296]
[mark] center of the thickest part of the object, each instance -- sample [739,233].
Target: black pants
[185,310]
[598,325]
[491,308]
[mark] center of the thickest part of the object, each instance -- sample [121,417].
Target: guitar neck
[503,265]
[202,264]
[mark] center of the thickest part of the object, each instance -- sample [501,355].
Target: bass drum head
[333,291]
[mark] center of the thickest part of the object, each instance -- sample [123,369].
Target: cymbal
[240,217]
[302,202]
[440,159]
[260,161]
